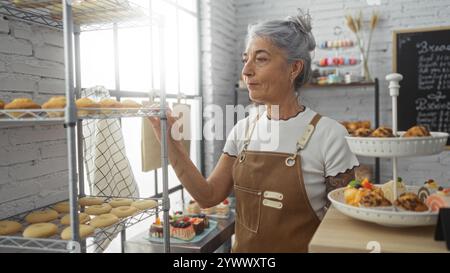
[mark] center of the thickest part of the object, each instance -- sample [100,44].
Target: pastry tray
[398,146]
[391,217]
[55,243]
[196,239]
[18,115]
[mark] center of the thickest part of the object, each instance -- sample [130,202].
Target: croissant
[382,132]
[417,131]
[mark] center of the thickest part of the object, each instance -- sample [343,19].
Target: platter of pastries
[383,142]
[54,108]
[413,206]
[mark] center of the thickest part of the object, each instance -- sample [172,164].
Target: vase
[365,73]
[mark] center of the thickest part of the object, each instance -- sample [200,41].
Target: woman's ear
[297,68]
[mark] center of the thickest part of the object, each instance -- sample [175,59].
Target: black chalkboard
[422,56]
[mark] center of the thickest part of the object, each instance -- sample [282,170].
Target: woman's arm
[207,192]
[338,181]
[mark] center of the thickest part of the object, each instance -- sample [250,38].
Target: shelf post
[70,117]
[394,88]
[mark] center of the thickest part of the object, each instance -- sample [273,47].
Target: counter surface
[340,233]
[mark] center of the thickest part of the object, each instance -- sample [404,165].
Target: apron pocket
[248,207]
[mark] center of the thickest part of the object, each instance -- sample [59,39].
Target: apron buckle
[242,158]
[290,161]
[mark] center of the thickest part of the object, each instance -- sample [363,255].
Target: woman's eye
[244,60]
[261,59]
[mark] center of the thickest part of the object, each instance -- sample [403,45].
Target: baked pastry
[438,200]
[109,103]
[104,220]
[388,190]
[40,230]
[374,198]
[156,229]
[90,201]
[85,231]
[193,207]
[364,124]
[429,187]
[124,211]
[352,127]
[411,202]
[2,104]
[182,229]
[223,209]
[130,104]
[362,132]
[82,217]
[382,132]
[63,207]
[21,103]
[58,102]
[41,216]
[118,202]
[9,227]
[417,131]
[98,209]
[144,204]
[86,103]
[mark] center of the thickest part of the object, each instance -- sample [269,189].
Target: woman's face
[266,72]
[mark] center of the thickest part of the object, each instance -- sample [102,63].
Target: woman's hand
[156,124]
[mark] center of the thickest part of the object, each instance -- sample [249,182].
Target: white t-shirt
[326,154]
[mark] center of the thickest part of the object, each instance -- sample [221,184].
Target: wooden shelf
[355,84]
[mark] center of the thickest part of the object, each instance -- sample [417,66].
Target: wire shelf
[39,115]
[88,14]
[95,242]
[41,245]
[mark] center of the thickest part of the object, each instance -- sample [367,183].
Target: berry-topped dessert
[182,229]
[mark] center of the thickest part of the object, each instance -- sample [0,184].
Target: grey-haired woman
[280,188]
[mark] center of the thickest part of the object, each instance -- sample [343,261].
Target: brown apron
[273,213]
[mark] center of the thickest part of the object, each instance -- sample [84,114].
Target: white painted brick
[4,25]
[38,168]
[39,134]
[14,191]
[53,37]
[4,175]
[11,82]
[47,197]
[19,154]
[10,45]
[51,86]
[38,68]
[16,207]
[54,150]
[51,53]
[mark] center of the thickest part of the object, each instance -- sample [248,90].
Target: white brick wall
[33,164]
[220,46]
[218,30]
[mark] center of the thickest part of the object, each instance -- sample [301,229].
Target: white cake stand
[394,148]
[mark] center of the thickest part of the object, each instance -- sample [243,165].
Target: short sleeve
[337,155]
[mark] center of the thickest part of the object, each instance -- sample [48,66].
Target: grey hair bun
[302,23]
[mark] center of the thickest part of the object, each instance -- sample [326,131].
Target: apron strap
[304,139]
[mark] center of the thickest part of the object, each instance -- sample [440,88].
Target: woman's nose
[248,69]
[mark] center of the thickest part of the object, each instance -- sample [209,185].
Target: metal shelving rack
[101,14]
